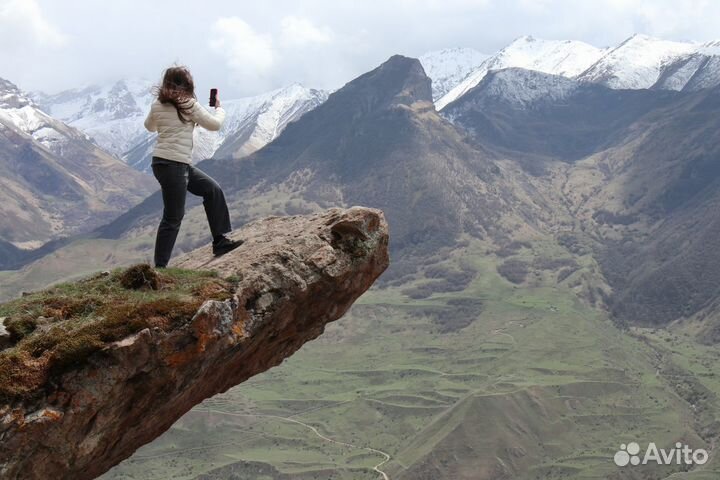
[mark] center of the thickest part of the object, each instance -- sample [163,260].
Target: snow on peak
[450,66]
[523,88]
[21,114]
[112,113]
[120,99]
[11,96]
[558,57]
[258,119]
[710,48]
[637,62]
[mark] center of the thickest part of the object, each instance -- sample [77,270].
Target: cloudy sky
[246,48]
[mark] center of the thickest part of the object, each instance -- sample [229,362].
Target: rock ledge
[294,275]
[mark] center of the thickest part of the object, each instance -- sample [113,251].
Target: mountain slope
[693,72]
[640,62]
[665,181]
[642,179]
[256,121]
[531,114]
[55,180]
[566,58]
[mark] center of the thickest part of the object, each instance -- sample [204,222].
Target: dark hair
[177,88]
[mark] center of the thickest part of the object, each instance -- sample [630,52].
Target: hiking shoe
[225,245]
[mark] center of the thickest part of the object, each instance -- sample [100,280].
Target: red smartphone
[213,96]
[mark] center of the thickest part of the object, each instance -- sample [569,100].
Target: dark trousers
[175,179]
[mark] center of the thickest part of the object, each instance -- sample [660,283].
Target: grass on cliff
[56,330]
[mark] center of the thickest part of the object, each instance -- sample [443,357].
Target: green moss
[60,328]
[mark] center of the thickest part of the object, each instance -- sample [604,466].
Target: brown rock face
[295,274]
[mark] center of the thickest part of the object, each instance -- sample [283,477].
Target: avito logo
[629,454]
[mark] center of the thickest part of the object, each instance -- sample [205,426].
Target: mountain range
[640,62]
[112,115]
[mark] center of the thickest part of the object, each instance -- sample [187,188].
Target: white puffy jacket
[175,138]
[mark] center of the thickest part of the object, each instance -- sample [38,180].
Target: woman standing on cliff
[173,116]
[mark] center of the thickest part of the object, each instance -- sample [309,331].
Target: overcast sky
[246,48]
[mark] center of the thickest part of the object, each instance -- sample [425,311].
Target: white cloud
[23,21]
[299,31]
[249,47]
[243,48]
[258,59]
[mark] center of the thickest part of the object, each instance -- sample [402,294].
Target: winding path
[376,468]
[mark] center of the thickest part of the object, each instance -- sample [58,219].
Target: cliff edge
[93,393]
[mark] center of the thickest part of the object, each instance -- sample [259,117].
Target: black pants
[175,179]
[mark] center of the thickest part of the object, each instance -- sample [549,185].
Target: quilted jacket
[175,138]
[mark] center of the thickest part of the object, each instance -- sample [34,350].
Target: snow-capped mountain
[111,114]
[637,62]
[250,124]
[567,58]
[692,72]
[54,180]
[256,121]
[450,66]
[19,112]
[640,62]
[521,88]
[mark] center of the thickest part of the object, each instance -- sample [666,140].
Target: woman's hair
[177,88]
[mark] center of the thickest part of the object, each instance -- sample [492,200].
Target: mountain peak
[142,366]
[399,80]
[557,57]
[636,63]
[11,96]
[417,83]
[671,46]
[524,39]
[450,66]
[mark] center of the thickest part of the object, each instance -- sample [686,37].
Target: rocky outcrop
[293,276]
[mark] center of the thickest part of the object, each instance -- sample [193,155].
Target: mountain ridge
[639,62]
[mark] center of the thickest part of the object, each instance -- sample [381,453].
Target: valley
[396,375]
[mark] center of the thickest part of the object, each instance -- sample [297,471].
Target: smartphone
[213,96]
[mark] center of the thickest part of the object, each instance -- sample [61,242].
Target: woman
[174,115]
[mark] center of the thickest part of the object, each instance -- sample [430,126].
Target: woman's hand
[217,101]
